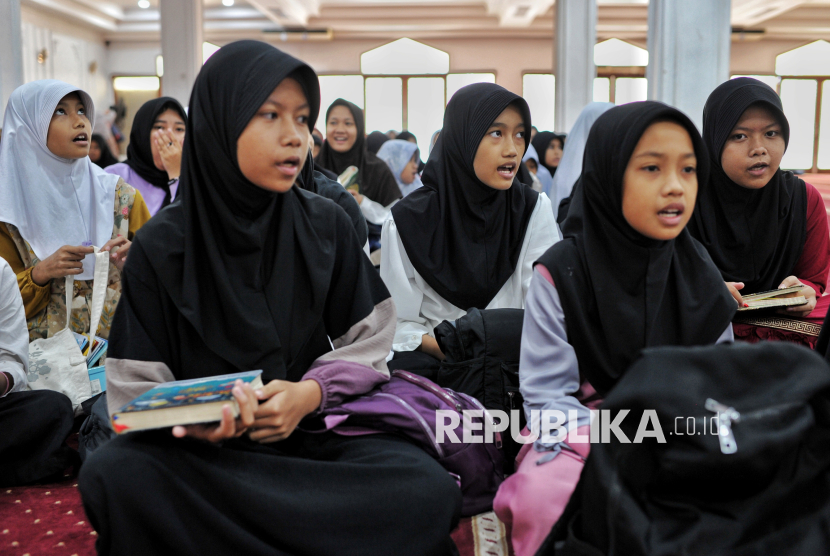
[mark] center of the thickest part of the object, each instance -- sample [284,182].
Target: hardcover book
[182,402]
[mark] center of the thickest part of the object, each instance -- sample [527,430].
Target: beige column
[688,52]
[181,47]
[575,34]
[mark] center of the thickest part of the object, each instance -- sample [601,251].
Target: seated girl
[540,176]
[549,146]
[469,236]
[764,228]
[249,272]
[55,204]
[100,153]
[345,146]
[154,155]
[403,158]
[626,276]
[35,423]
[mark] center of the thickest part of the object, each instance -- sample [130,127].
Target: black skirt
[312,494]
[32,446]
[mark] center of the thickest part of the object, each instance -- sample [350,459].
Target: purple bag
[407,405]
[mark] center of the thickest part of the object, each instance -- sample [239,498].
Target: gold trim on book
[782,323]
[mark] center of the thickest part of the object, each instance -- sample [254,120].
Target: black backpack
[758,486]
[482,360]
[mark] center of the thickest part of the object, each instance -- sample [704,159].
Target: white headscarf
[570,167]
[542,173]
[53,201]
[397,153]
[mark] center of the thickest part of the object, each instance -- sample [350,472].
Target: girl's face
[341,130]
[273,147]
[660,182]
[171,122]
[69,130]
[500,151]
[94,151]
[531,165]
[410,170]
[754,149]
[554,153]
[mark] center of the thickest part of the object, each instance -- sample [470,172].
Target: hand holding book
[734,288]
[282,406]
[809,294]
[228,427]
[238,402]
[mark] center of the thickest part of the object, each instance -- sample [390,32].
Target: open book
[774,299]
[183,402]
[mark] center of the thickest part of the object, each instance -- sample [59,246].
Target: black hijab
[139,152]
[462,236]
[755,236]
[313,180]
[375,141]
[375,179]
[620,290]
[239,248]
[541,143]
[107,159]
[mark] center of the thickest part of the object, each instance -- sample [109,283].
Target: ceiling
[124,21]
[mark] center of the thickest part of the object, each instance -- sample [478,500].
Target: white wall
[507,58]
[74,54]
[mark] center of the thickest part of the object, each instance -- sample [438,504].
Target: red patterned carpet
[45,519]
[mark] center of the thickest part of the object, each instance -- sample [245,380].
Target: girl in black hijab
[549,146]
[468,237]
[250,272]
[626,276]
[100,153]
[154,155]
[781,237]
[375,140]
[375,179]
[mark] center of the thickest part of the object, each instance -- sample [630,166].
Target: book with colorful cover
[99,348]
[82,340]
[182,402]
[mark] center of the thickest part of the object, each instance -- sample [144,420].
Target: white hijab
[53,201]
[570,167]
[542,173]
[397,153]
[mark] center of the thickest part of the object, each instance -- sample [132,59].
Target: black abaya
[35,426]
[285,288]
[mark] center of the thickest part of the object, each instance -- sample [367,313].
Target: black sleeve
[140,327]
[356,287]
[330,189]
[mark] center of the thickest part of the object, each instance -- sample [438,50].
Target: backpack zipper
[421,420]
[431,386]
[726,416]
[729,416]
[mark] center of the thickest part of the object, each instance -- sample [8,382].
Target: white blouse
[374,212]
[420,308]
[14,335]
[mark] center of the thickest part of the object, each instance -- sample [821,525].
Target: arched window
[805,94]
[621,72]
[403,85]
